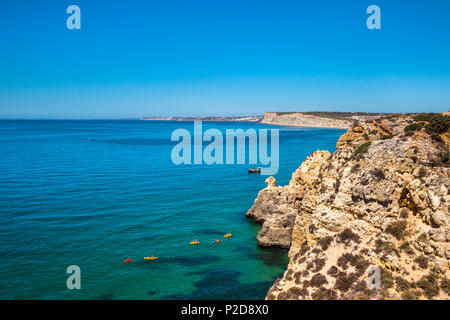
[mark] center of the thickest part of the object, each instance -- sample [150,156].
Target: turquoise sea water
[92,193]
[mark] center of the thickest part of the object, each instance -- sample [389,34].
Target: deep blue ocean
[93,193]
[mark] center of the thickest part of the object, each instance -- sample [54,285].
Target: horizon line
[193,116]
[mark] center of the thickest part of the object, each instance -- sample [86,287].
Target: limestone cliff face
[277,207]
[304,120]
[381,199]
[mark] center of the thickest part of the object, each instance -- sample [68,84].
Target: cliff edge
[299,119]
[381,199]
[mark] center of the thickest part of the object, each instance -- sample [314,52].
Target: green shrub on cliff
[386,247]
[445,158]
[405,246]
[362,148]
[318,280]
[397,229]
[325,242]
[435,137]
[378,174]
[429,117]
[416,126]
[403,285]
[348,235]
[324,294]
[410,295]
[424,117]
[436,124]
[344,281]
[387,279]
[445,285]
[429,285]
[422,261]
[440,160]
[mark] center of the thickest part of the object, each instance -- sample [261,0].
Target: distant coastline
[333,120]
[218,119]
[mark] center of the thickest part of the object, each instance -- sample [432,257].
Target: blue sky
[215,57]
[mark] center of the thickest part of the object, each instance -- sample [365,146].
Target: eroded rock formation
[381,199]
[277,207]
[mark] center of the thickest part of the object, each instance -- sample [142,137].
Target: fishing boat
[256,170]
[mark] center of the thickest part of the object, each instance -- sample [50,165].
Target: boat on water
[128,260]
[255,170]
[227,235]
[195,241]
[150,258]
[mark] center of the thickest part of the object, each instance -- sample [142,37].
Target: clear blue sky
[222,57]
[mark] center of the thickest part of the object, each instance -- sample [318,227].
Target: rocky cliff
[305,120]
[381,199]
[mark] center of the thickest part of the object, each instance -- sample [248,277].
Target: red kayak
[128,260]
[217,241]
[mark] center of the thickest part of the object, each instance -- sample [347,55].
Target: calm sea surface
[93,193]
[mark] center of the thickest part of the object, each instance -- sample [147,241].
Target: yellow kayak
[194,242]
[227,235]
[150,258]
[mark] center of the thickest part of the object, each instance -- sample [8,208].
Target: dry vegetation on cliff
[382,198]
